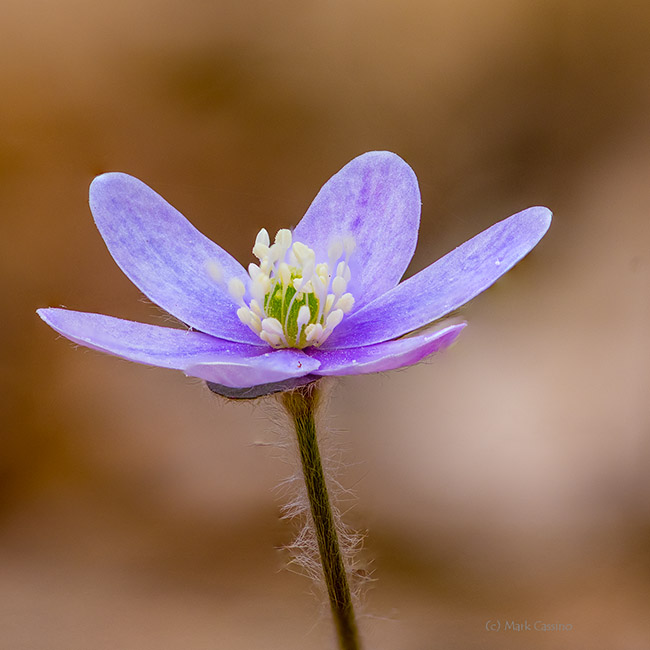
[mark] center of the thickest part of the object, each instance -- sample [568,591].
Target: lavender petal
[375,198]
[388,355]
[445,285]
[267,368]
[166,257]
[148,344]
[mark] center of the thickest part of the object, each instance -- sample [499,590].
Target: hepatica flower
[325,299]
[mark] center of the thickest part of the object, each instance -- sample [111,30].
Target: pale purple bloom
[374,201]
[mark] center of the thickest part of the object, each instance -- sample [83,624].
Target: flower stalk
[301,405]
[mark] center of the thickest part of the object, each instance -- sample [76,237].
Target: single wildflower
[325,299]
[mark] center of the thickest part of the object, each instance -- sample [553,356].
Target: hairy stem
[301,405]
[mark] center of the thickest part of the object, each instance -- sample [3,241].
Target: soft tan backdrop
[506,480]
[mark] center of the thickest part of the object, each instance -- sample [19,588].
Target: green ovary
[279,301]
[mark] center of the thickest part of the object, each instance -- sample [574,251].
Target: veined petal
[445,285]
[149,344]
[166,257]
[375,199]
[265,368]
[388,355]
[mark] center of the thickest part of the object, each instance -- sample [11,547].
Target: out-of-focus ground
[506,481]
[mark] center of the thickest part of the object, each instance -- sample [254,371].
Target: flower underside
[291,301]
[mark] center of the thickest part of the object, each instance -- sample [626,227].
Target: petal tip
[383,157]
[541,216]
[380,153]
[45,313]
[111,182]
[447,334]
[453,332]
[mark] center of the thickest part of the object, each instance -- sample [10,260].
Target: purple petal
[166,257]
[445,285]
[236,365]
[149,344]
[231,364]
[375,199]
[384,356]
[270,367]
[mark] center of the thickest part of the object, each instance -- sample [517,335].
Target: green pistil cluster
[284,303]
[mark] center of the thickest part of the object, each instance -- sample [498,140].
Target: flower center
[292,301]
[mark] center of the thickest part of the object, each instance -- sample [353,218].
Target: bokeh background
[507,480]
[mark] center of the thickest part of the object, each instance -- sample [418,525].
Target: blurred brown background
[506,480]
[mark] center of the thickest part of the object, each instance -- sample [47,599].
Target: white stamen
[343,271]
[313,332]
[272,326]
[244,314]
[262,243]
[215,271]
[259,288]
[283,239]
[329,302]
[335,250]
[236,289]
[256,309]
[253,270]
[284,273]
[303,316]
[263,238]
[339,285]
[334,319]
[255,323]
[260,251]
[299,250]
[345,302]
[271,339]
[319,289]
[275,253]
[247,317]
